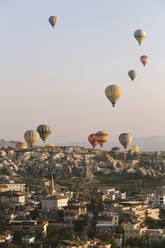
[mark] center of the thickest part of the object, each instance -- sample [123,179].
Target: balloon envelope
[144,59]
[135,149]
[49,145]
[21,145]
[132,74]
[53,20]
[31,137]
[92,140]
[44,131]
[125,139]
[113,93]
[139,35]
[102,137]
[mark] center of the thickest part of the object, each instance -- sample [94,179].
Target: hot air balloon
[102,137]
[144,59]
[135,149]
[21,145]
[139,35]
[125,139]
[113,93]
[92,140]
[44,131]
[132,74]
[49,146]
[31,137]
[53,20]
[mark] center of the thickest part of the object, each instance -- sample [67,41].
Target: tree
[18,235]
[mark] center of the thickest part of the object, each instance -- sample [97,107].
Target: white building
[157,199]
[113,194]
[55,202]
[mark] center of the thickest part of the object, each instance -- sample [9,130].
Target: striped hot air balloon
[144,59]
[53,20]
[31,137]
[125,139]
[21,145]
[139,36]
[113,93]
[44,131]
[92,140]
[102,137]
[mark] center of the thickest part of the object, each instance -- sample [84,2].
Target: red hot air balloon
[92,140]
[144,59]
[21,145]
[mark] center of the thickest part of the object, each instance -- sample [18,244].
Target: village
[102,217]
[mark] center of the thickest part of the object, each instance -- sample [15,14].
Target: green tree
[18,235]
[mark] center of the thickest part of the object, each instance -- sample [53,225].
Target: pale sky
[58,76]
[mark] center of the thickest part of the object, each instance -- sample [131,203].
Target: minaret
[53,187]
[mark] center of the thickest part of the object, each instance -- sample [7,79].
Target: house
[55,202]
[112,215]
[73,211]
[18,187]
[132,230]
[105,226]
[157,198]
[2,239]
[8,235]
[28,240]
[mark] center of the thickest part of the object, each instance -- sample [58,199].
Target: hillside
[68,162]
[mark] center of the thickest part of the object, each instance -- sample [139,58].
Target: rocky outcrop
[68,162]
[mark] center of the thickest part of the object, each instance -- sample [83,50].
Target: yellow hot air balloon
[139,35]
[101,137]
[113,93]
[53,20]
[44,131]
[49,145]
[31,137]
[135,149]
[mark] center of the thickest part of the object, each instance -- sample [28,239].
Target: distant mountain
[151,143]
[5,143]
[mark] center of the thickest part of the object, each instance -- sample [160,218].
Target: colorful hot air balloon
[53,20]
[44,131]
[113,93]
[102,137]
[31,137]
[92,140]
[21,145]
[139,35]
[49,146]
[144,59]
[135,149]
[125,139]
[132,74]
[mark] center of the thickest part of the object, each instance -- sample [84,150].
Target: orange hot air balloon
[92,140]
[21,145]
[102,137]
[144,59]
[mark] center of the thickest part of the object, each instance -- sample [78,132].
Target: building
[55,202]
[105,226]
[17,187]
[157,199]
[28,240]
